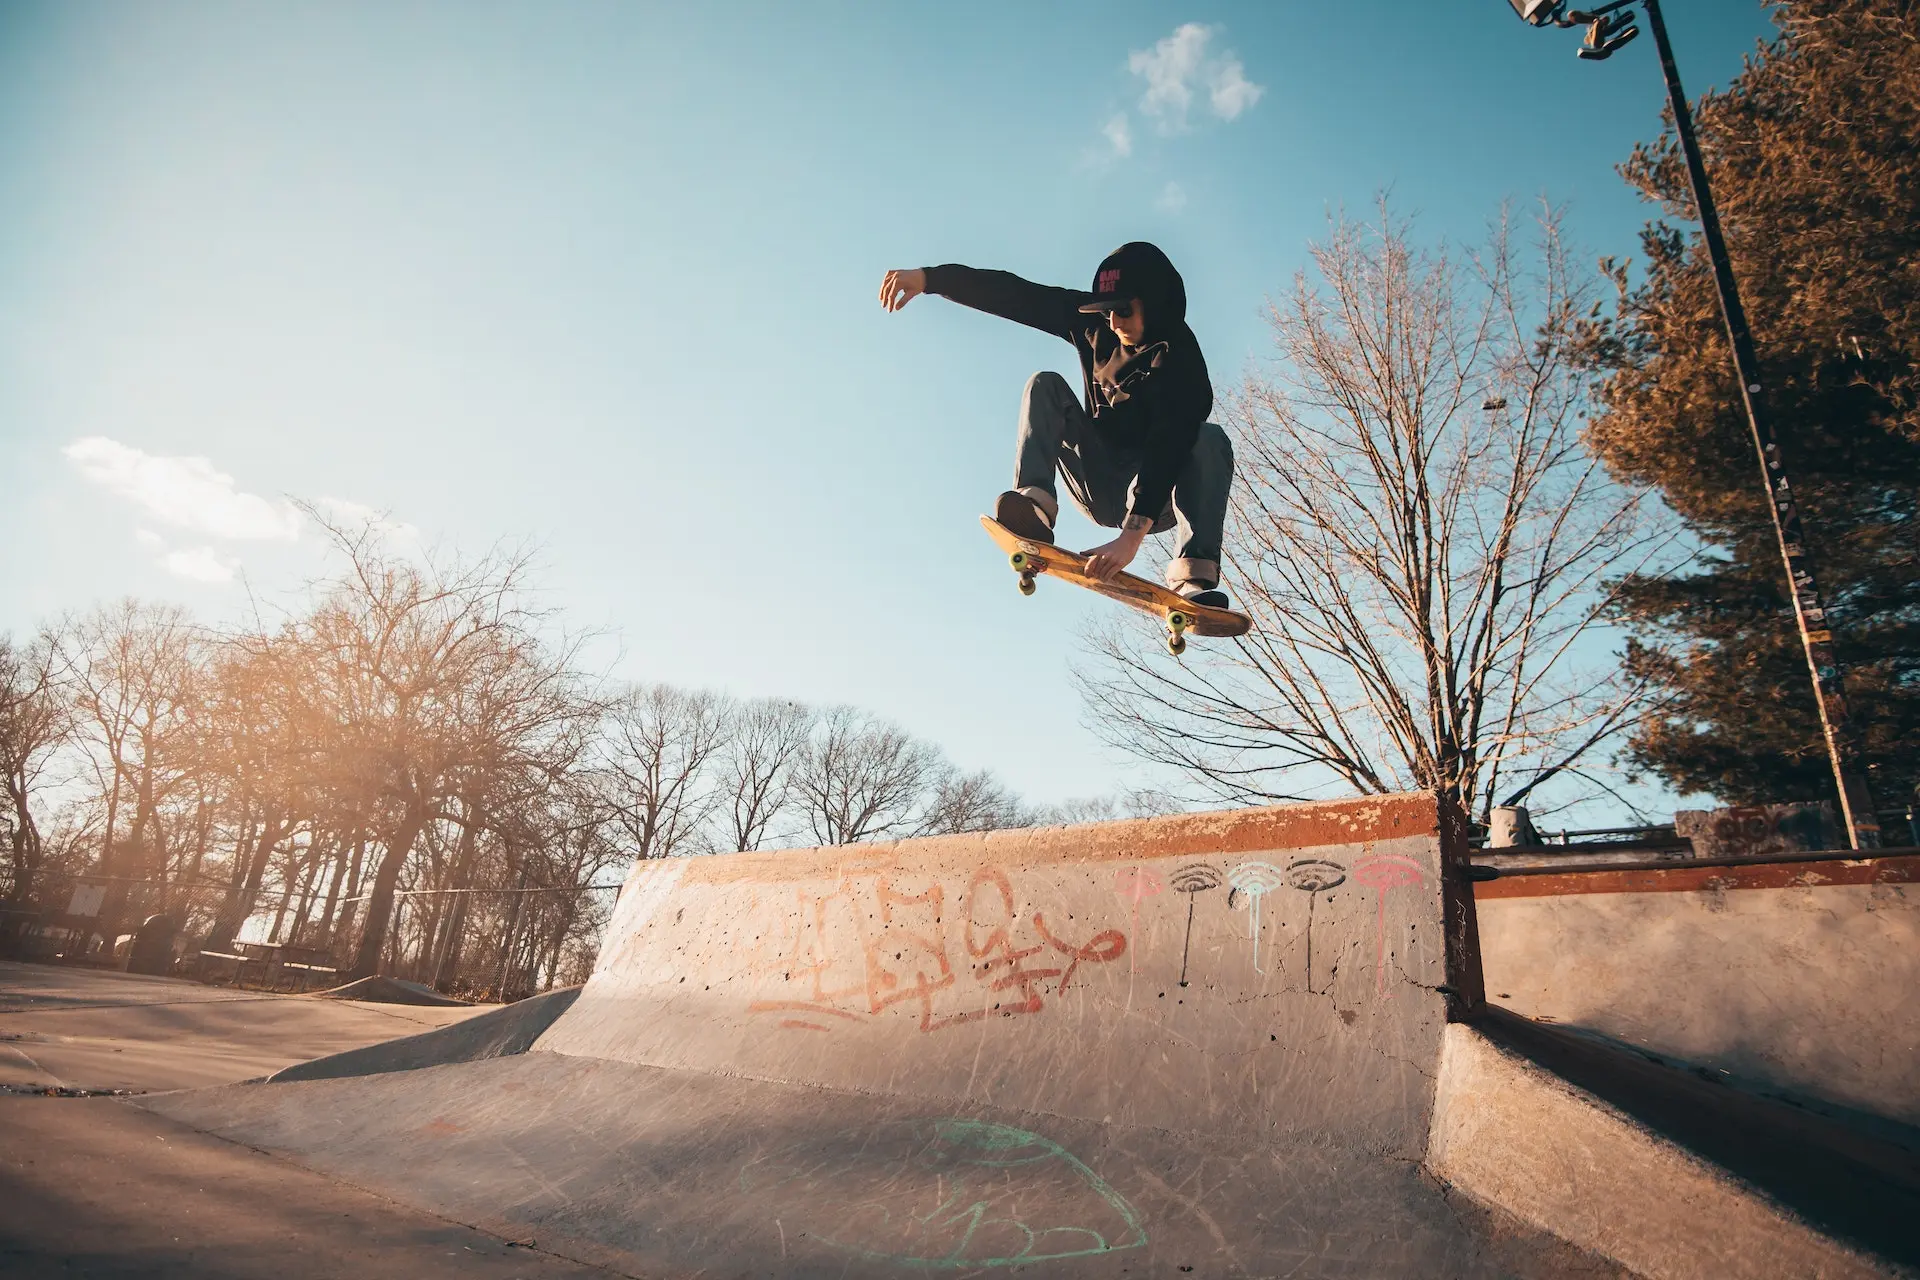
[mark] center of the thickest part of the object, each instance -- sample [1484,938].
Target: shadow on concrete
[651,1171]
[507,1030]
[1858,1186]
[105,1191]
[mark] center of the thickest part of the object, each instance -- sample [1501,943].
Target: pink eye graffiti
[1133,884]
[1383,873]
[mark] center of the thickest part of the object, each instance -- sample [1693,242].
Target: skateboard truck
[1177,624]
[1024,566]
[1177,620]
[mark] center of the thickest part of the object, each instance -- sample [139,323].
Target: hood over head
[1140,270]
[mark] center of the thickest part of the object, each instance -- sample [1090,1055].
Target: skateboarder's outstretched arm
[1001,293]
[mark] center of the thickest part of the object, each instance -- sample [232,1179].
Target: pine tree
[1814,155]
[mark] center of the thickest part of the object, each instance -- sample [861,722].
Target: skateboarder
[1140,455]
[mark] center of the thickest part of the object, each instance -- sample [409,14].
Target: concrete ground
[88,1029]
[95,1188]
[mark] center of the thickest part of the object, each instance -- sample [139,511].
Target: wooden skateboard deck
[1180,616]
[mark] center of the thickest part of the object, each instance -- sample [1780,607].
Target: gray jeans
[1056,433]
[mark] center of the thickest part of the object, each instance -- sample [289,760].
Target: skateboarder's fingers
[899,288]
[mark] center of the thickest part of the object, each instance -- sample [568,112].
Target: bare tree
[264,741]
[971,802]
[135,672]
[767,736]
[860,778]
[438,675]
[1144,802]
[661,746]
[1421,538]
[36,717]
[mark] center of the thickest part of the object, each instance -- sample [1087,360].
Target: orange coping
[1901,869]
[1226,831]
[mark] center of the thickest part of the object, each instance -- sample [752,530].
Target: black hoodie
[1147,402]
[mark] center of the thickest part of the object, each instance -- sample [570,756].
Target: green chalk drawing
[977,1172]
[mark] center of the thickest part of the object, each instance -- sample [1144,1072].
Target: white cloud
[190,493]
[1172,199]
[198,563]
[346,511]
[1232,91]
[1119,134]
[1179,65]
[1168,67]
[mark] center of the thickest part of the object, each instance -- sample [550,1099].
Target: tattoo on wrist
[1136,524]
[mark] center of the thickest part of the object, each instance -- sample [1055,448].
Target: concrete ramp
[498,1033]
[1197,1045]
[1265,972]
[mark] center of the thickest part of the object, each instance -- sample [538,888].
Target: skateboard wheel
[1026,584]
[1019,561]
[1176,644]
[1178,622]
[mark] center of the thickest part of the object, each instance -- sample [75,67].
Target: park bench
[305,974]
[214,960]
[270,963]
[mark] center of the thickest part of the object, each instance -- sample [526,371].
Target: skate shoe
[1023,516]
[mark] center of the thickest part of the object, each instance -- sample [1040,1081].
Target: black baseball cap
[1135,270]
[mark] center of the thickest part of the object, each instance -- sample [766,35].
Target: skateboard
[1181,616]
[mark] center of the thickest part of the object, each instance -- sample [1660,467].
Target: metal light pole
[1608,28]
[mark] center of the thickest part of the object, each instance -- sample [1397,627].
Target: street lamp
[1609,26]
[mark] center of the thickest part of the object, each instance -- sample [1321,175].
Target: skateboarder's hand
[1110,558]
[901,287]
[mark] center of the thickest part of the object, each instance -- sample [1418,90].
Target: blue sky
[602,276]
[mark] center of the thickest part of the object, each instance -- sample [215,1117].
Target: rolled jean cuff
[1206,573]
[1048,504]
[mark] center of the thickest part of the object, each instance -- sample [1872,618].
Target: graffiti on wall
[1134,884]
[1314,876]
[1383,873]
[948,953]
[868,945]
[1194,878]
